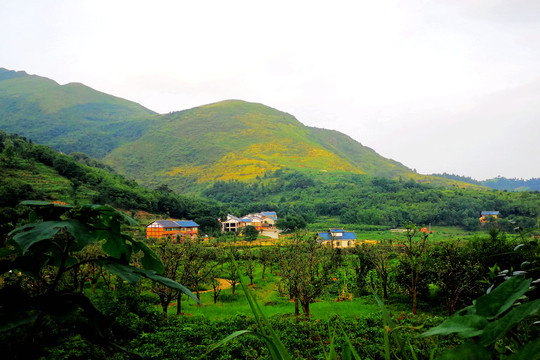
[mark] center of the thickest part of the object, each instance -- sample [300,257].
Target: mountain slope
[239,140]
[222,141]
[71,117]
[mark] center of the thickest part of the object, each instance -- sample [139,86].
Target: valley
[81,280]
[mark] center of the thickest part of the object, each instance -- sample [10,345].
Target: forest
[81,281]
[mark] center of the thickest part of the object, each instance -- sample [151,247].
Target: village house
[488,214]
[337,238]
[261,221]
[172,228]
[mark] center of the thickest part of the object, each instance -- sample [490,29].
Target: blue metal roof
[269,213]
[245,220]
[324,236]
[187,223]
[490,213]
[347,235]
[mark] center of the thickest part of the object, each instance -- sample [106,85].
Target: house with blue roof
[337,238]
[163,228]
[485,215]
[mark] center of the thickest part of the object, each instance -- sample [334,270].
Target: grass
[265,292]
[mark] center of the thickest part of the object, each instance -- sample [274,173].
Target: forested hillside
[498,183]
[360,199]
[36,172]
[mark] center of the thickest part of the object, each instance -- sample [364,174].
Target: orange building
[488,214]
[172,228]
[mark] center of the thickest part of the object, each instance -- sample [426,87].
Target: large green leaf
[500,326]
[502,297]
[30,234]
[132,275]
[464,325]
[150,261]
[115,244]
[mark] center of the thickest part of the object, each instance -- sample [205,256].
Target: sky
[440,86]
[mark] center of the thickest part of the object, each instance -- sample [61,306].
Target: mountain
[238,140]
[498,183]
[69,118]
[228,140]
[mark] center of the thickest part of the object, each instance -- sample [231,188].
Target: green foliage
[40,173]
[250,233]
[47,250]
[360,200]
[490,319]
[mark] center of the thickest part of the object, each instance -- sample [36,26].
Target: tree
[300,260]
[171,256]
[250,233]
[291,223]
[267,256]
[458,272]
[415,256]
[249,264]
[380,256]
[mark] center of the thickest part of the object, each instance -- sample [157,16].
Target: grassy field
[272,303]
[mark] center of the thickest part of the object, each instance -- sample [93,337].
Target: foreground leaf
[464,325]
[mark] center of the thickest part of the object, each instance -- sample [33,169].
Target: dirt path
[223,283]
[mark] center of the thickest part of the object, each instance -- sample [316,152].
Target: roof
[490,213]
[324,236]
[347,235]
[269,213]
[165,223]
[187,223]
[245,220]
[336,230]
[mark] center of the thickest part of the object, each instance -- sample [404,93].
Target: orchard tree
[250,233]
[300,260]
[458,273]
[415,256]
[380,256]
[171,256]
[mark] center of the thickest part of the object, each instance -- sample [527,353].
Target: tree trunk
[164,306]
[264,268]
[296,307]
[179,305]
[414,302]
[305,308]
[233,287]
[385,286]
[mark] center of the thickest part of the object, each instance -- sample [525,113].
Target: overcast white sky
[441,86]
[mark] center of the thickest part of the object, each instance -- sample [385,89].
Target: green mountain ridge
[69,118]
[228,140]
